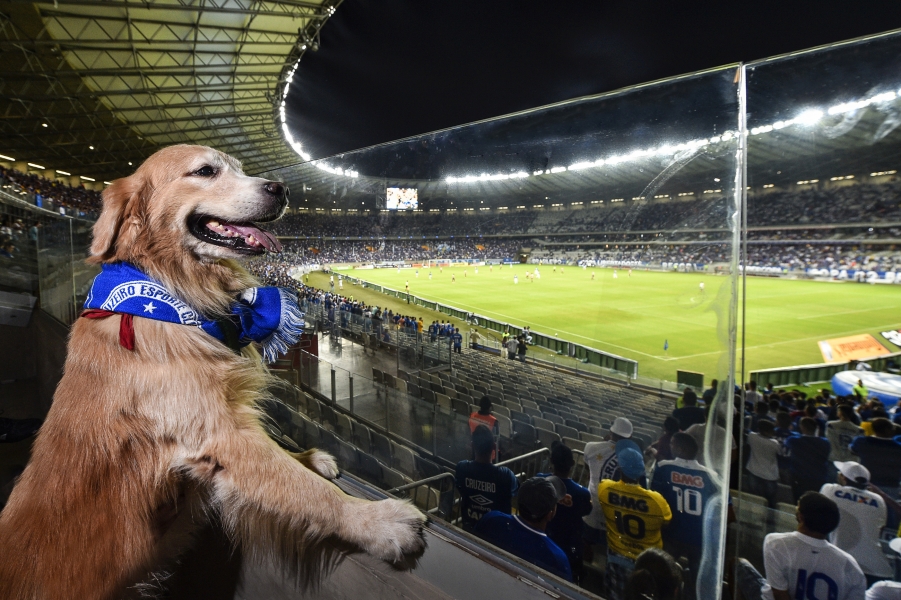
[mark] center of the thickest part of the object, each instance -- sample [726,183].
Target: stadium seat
[404,459]
[546,437]
[500,410]
[574,444]
[329,441]
[413,390]
[524,433]
[543,423]
[505,426]
[520,416]
[426,498]
[553,418]
[426,468]
[344,428]
[443,400]
[312,435]
[428,395]
[370,468]
[381,447]
[532,412]
[461,407]
[393,479]
[567,431]
[588,437]
[348,456]
[362,438]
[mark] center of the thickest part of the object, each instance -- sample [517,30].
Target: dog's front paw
[319,462]
[324,464]
[394,530]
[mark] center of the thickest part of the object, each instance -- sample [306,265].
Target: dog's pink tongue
[269,241]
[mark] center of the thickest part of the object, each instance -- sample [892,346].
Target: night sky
[396,68]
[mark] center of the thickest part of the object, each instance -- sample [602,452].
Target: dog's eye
[205,171]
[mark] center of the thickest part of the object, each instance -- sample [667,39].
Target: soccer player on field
[634,517]
[687,487]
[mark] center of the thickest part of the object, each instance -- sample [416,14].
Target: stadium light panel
[63,172]
[88,178]
[809,117]
[5,157]
[36,166]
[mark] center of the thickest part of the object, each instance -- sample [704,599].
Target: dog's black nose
[276,189]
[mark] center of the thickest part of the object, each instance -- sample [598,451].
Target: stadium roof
[95,85]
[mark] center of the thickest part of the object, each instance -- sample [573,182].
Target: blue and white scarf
[266,315]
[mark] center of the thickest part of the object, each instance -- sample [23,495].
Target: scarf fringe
[290,326]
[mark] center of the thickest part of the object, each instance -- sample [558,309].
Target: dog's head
[184,210]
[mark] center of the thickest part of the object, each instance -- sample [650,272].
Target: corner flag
[665,345]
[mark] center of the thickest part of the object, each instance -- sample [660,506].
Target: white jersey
[794,561]
[885,590]
[840,435]
[602,463]
[699,431]
[763,459]
[863,517]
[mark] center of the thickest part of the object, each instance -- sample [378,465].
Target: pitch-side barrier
[588,355]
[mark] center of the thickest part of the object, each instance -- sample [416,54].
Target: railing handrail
[421,482]
[509,461]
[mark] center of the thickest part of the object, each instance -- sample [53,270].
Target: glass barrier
[47,256]
[822,209]
[646,184]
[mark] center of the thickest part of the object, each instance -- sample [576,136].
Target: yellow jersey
[634,517]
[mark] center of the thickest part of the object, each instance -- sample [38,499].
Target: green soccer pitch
[633,316]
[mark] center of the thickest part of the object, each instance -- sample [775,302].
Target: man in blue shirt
[524,535]
[809,459]
[457,338]
[566,528]
[687,487]
[483,487]
[881,455]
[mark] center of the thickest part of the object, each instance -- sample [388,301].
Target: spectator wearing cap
[634,517]
[863,515]
[524,535]
[566,528]
[841,432]
[483,486]
[881,455]
[686,394]
[602,464]
[803,564]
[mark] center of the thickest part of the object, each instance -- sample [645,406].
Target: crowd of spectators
[840,457]
[47,193]
[828,205]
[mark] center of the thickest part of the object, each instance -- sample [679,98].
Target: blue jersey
[513,535]
[687,487]
[458,340]
[483,487]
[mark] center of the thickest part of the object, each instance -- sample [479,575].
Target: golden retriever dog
[138,440]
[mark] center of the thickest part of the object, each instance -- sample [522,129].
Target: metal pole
[435,429]
[350,383]
[333,386]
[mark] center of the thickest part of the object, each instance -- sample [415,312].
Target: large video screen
[402,198]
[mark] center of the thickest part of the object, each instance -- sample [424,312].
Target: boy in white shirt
[805,560]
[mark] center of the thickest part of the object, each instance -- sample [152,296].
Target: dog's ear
[120,202]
